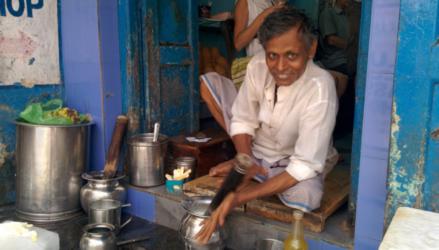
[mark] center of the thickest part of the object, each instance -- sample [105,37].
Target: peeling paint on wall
[134,121]
[395,153]
[404,189]
[5,108]
[4,154]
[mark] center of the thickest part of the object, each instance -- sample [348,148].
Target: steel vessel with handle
[105,184]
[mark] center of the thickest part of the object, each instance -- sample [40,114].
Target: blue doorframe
[376,122]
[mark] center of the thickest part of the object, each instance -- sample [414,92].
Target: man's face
[287,55]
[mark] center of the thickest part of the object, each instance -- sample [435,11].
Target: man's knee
[306,195]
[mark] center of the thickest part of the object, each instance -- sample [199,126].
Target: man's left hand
[253,171]
[218,217]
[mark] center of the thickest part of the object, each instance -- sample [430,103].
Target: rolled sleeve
[300,171]
[237,128]
[312,146]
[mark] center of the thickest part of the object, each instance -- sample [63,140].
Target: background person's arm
[244,34]
[336,41]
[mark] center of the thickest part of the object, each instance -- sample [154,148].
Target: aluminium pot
[50,160]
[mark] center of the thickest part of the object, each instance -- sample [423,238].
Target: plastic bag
[52,113]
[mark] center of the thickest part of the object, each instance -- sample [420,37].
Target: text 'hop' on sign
[19,7]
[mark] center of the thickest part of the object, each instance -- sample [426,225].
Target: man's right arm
[242,143]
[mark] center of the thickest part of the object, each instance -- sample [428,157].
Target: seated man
[283,116]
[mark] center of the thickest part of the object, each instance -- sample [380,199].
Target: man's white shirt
[299,127]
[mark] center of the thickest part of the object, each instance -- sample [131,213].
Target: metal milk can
[97,188]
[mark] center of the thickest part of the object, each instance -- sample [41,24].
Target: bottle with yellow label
[296,239]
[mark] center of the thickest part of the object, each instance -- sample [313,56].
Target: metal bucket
[147,160]
[50,160]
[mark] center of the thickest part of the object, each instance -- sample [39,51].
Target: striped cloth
[239,67]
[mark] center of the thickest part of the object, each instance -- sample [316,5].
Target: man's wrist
[237,199]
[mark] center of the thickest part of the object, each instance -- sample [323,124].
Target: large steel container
[50,161]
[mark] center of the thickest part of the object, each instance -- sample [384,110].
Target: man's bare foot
[222,169]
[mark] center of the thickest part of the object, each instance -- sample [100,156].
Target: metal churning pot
[50,160]
[98,187]
[190,224]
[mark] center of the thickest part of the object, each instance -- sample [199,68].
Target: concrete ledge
[244,230]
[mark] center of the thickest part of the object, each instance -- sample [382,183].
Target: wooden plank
[335,194]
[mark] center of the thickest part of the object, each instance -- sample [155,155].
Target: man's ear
[312,49]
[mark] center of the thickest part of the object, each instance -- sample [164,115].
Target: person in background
[283,117]
[335,36]
[249,15]
[336,42]
[218,92]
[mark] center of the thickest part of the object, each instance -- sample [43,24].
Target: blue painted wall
[81,64]
[91,67]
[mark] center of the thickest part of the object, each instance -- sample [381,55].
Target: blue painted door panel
[414,155]
[173,26]
[159,53]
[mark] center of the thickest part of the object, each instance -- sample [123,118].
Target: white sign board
[29,49]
